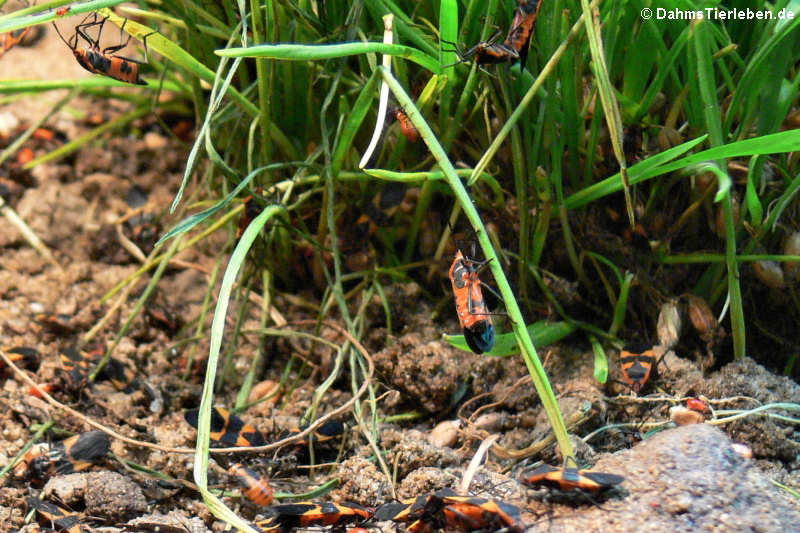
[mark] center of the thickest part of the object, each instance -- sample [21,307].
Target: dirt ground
[441,402]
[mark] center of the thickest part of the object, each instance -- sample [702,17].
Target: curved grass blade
[238,257]
[314,52]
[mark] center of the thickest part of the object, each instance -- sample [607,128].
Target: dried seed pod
[792,247]
[445,433]
[684,417]
[701,317]
[669,324]
[264,389]
[491,422]
[769,273]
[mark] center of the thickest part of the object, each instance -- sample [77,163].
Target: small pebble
[445,433]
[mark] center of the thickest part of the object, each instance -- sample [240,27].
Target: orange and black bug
[21,356]
[51,515]
[228,429]
[103,62]
[471,514]
[327,431]
[58,323]
[78,366]
[488,52]
[74,454]
[519,36]
[568,478]
[255,487]
[473,315]
[409,130]
[11,39]
[305,514]
[61,11]
[638,364]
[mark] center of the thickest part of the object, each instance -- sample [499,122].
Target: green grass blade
[785,141]
[216,506]
[315,52]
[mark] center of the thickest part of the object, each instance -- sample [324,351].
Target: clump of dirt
[429,372]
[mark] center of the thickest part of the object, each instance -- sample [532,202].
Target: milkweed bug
[256,488]
[488,52]
[74,454]
[569,478]
[638,363]
[58,323]
[327,431]
[11,39]
[471,309]
[406,126]
[227,428]
[61,11]
[305,514]
[519,36]
[104,62]
[21,356]
[55,516]
[470,513]
[78,365]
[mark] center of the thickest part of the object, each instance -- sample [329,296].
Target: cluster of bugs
[440,510]
[514,47]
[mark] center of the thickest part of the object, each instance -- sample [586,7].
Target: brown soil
[684,479]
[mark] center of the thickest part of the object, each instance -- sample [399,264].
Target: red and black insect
[255,487]
[55,516]
[569,478]
[290,516]
[104,62]
[78,365]
[228,429]
[519,36]
[74,454]
[638,364]
[489,52]
[11,39]
[406,126]
[21,356]
[61,11]
[473,315]
[326,432]
[58,323]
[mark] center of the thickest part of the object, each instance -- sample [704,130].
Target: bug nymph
[473,315]
[104,62]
